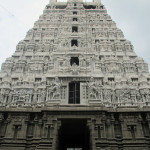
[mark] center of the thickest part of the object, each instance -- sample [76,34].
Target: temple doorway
[74,135]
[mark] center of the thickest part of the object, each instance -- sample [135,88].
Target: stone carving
[54,89]
[71,65]
[21,97]
[107,96]
[125,95]
[41,96]
[100,47]
[75,69]
[95,89]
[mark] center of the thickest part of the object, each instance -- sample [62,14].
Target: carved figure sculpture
[54,89]
[94,89]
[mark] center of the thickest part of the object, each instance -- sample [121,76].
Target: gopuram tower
[74,83]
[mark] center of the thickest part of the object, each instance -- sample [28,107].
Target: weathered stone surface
[74,47]
[39,71]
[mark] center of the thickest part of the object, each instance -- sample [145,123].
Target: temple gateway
[74,83]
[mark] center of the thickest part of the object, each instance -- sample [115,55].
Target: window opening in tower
[75,19]
[74,12]
[74,43]
[111,79]
[89,7]
[74,29]
[74,60]
[74,93]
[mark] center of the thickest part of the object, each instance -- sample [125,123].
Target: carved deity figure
[133,96]
[118,94]
[125,95]
[147,95]
[107,95]
[74,69]
[142,93]
[54,89]
[94,89]
[41,95]
[5,96]
[45,68]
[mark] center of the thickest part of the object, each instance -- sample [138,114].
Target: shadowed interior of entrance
[74,133]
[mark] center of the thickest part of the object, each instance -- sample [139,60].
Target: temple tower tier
[74,83]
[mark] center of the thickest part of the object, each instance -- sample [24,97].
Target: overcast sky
[131,16]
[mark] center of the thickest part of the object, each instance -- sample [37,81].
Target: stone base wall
[109,130]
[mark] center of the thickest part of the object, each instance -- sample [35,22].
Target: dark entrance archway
[74,134]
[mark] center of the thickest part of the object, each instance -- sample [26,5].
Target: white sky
[131,16]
